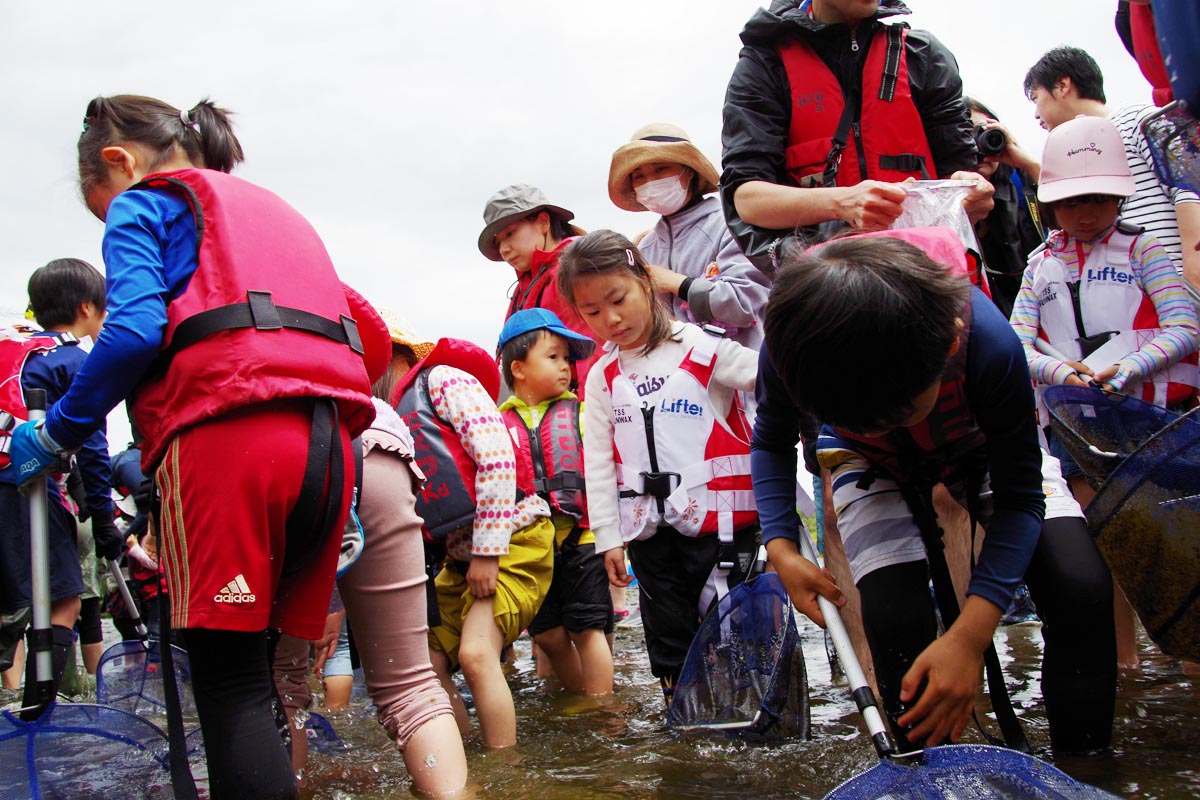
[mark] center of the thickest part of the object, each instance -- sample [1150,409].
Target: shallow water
[574,748]
[570,748]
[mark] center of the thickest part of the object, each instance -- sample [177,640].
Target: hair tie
[629,255]
[186,119]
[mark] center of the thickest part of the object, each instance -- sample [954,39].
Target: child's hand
[323,648]
[803,579]
[481,575]
[1082,373]
[1106,375]
[950,669]
[614,565]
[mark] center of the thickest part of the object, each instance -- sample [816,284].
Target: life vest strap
[261,313]
[905,162]
[565,481]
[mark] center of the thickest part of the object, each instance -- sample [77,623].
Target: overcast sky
[388,124]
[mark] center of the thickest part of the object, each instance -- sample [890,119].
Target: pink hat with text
[1085,155]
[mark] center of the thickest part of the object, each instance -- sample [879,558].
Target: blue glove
[32,451]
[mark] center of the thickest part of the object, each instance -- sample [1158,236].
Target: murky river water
[570,748]
[578,749]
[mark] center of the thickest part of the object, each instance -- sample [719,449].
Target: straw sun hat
[658,141]
[402,333]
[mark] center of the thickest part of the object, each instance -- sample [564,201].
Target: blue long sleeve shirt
[150,253]
[54,371]
[1001,398]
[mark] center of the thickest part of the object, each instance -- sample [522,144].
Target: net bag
[745,668]
[1146,517]
[1173,136]
[82,752]
[1101,428]
[129,677]
[967,772]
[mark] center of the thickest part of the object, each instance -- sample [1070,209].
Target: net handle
[860,690]
[114,571]
[39,557]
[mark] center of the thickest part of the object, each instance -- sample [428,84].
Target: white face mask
[664,196]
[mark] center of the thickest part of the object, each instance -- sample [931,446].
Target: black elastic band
[891,63]
[183,784]
[261,313]
[312,520]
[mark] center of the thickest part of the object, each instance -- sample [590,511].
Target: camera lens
[990,141]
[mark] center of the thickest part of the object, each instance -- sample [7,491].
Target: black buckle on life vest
[263,311]
[566,481]
[660,484]
[727,557]
[905,162]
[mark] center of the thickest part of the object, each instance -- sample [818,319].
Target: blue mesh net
[967,772]
[82,752]
[745,668]
[1146,517]
[129,677]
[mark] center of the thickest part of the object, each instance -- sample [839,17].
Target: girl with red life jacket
[478,503]
[1104,295]
[229,327]
[521,227]
[666,447]
[536,353]
[921,389]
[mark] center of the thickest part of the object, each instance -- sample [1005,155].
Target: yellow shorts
[521,586]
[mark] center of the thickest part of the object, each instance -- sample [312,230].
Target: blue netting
[1173,137]
[967,772]
[82,752]
[1084,418]
[1146,516]
[745,668]
[129,677]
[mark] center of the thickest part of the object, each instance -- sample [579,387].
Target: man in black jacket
[895,86]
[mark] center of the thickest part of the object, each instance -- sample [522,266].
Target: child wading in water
[1103,286]
[666,447]
[536,353]
[480,503]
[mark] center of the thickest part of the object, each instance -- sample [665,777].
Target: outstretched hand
[614,565]
[950,671]
[803,580]
[871,205]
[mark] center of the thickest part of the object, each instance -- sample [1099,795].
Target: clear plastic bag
[938,203]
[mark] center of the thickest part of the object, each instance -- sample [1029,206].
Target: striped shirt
[1152,205]
[1154,273]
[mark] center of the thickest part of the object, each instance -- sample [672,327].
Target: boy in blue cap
[536,354]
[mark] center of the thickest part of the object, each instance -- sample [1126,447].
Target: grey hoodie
[727,289]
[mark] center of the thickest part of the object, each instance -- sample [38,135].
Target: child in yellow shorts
[482,508]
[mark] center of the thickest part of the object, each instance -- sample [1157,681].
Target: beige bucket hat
[658,141]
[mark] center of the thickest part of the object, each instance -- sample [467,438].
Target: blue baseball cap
[533,319]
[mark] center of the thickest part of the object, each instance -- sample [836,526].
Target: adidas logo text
[236,591]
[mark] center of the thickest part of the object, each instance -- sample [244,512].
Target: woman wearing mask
[693,256]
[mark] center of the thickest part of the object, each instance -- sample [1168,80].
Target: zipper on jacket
[648,416]
[854,41]
[856,132]
[670,244]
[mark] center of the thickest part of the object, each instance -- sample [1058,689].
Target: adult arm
[738,292]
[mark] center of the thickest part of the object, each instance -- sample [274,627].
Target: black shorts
[578,599]
[66,578]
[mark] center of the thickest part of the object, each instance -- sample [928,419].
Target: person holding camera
[1013,228]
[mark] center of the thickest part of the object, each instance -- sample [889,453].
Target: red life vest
[554,456]
[15,350]
[446,502]
[829,144]
[263,317]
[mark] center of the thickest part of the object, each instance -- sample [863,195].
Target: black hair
[1070,62]
[517,349]
[975,105]
[58,289]
[858,328]
[204,134]
[603,252]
